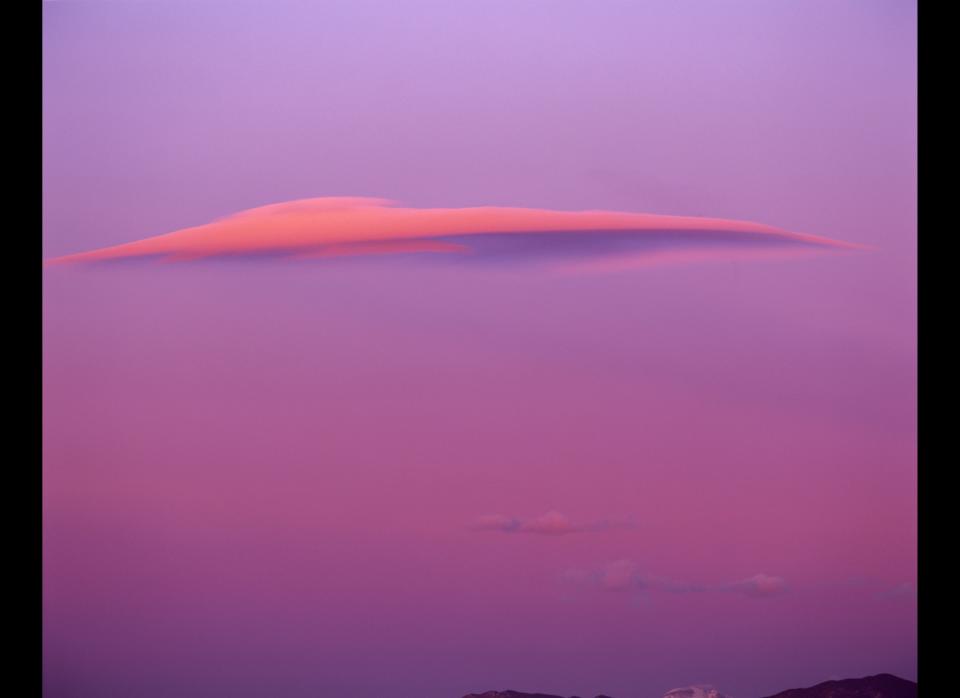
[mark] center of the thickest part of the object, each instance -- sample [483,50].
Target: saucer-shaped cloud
[326,228]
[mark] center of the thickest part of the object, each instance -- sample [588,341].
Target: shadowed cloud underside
[325,228]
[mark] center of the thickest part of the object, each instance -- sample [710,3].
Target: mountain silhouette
[879,686]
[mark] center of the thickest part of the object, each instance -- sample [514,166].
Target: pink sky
[384,477]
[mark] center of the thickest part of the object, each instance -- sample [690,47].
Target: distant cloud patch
[496,522]
[906,590]
[759,585]
[553,523]
[625,576]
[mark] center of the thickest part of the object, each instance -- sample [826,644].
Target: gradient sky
[388,478]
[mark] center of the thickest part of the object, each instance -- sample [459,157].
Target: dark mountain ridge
[878,686]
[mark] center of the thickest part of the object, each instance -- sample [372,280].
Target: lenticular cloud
[329,228]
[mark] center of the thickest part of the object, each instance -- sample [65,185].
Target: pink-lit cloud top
[348,226]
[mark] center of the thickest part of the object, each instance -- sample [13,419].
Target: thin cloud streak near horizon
[627,576]
[553,523]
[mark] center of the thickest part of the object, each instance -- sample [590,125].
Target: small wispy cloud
[757,586]
[553,523]
[621,575]
[497,522]
[906,590]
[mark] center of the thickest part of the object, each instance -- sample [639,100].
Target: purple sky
[374,479]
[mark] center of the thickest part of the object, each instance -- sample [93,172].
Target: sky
[403,475]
